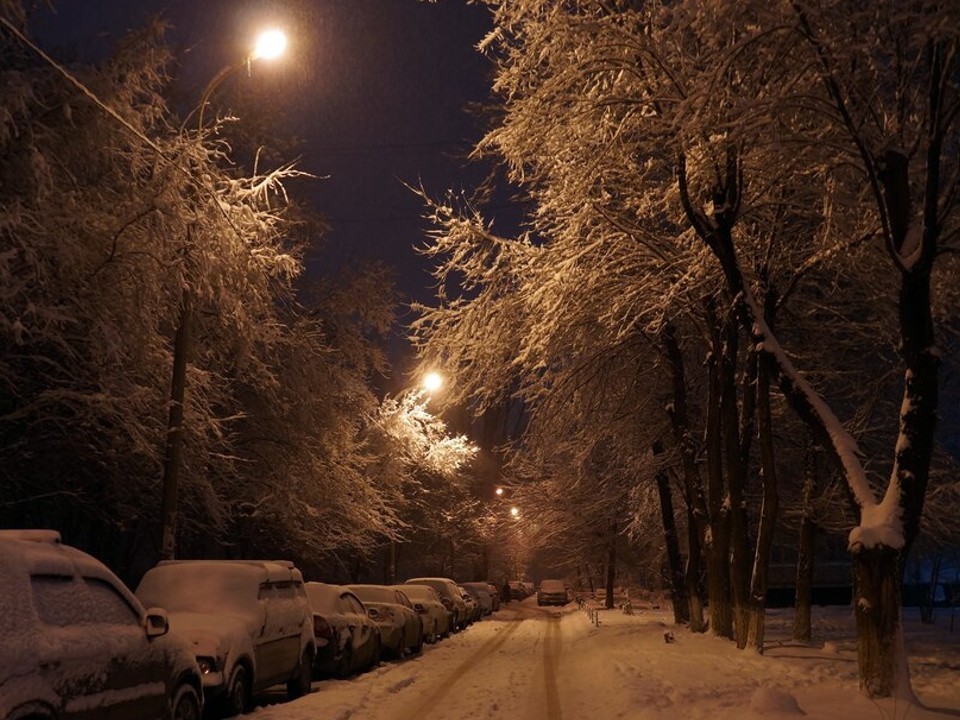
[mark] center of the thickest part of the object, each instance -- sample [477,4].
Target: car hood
[212,635]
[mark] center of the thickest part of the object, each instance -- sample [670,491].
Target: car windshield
[375,593]
[441,586]
[420,593]
[552,586]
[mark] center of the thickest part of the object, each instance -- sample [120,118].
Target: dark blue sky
[376,90]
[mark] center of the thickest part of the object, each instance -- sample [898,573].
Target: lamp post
[270,44]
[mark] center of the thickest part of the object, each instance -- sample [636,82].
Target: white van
[249,621]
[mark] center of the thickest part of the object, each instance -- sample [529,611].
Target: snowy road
[530,663]
[503,666]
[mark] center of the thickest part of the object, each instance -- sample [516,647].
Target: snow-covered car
[552,592]
[494,596]
[434,614]
[75,642]
[450,596]
[400,625]
[249,622]
[348,639]
[518,590]
[481,593]
[474,611]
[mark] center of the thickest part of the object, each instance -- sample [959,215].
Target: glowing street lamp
[515,512]
[270,45]
[432,382]
[499,491]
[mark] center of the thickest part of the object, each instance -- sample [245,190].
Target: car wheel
[417,648]
[186,703]
[237,699]
[377,652]
[345,665]
[300,685]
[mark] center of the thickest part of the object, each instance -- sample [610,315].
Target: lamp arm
[213,85]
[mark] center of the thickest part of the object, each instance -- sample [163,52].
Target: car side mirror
[157,622]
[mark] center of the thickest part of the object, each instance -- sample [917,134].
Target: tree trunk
[697,513]
[735,471]
[611,572]
[678,591]
[926,612]
[173,458]
[692,576]
[392,562]
[717,545]
[803,598]
[768,511]
[880,652]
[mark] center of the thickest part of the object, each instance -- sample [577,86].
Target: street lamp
[269,45]
[432,382]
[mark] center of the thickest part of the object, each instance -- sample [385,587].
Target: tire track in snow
[551,658]
[431,700]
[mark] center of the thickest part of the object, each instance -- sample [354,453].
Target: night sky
[375,90]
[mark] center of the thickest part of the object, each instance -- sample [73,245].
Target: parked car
[494,596]
[518,590]
[480,591]
[473,607]
[73,636]
[450,597]
[426,601]
[248,621]
[552,592]
[348,639]
[400,625]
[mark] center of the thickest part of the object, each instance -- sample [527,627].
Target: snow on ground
[530,663]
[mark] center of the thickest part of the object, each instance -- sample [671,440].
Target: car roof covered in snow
[212,586]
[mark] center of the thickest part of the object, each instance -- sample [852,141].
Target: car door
[361,626]
[90,630]
[137,678]
[290,618]
[278,652]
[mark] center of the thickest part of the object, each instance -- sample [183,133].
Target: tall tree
[691,151]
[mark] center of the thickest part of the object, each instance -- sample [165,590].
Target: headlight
[208,665]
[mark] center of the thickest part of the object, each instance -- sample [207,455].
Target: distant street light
[515,512]
[269,45]
[499,491]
